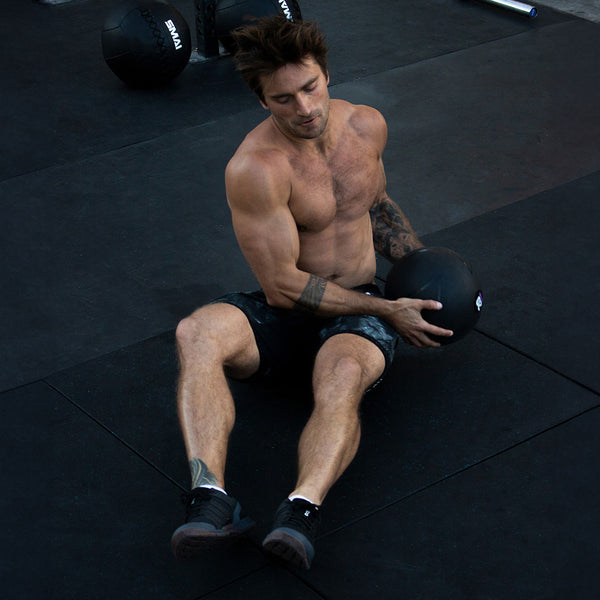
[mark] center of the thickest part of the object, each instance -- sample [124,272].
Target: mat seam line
[538,362]
[320,595]
[460,471]
[572,19]
[108,430]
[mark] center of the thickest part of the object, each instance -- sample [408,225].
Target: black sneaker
[212,517]
[294,532]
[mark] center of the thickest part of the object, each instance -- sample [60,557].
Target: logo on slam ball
[286,10]
[173,31]
[479,302]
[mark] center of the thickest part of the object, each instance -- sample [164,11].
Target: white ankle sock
[301,497]
[213,487]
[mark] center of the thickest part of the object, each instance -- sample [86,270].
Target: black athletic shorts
[288,340]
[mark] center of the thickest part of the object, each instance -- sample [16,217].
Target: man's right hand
[407,320]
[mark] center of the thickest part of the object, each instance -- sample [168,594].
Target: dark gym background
[477,477]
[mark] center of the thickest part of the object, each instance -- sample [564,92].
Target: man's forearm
[326,299]
[393,236]
[312,295]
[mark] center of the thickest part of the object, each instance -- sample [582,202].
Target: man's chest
[339,189]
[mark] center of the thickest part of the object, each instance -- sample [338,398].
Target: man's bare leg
[215,341]
[344,369]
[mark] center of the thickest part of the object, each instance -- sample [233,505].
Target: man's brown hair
[272,43]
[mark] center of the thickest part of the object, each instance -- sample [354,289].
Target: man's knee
[350,362]
[220,333]
[348,368]
[196,329]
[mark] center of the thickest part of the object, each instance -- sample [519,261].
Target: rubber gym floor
[477,475]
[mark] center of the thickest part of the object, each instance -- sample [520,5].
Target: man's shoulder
[254,155]
[365,121]
[360,111]
[257,149]
[256,172]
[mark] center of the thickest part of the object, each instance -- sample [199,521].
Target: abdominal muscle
[343,253]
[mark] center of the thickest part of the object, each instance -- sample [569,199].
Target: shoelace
[202,505]
[301,515]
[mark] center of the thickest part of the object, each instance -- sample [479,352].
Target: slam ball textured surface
[439,274]
[146,43]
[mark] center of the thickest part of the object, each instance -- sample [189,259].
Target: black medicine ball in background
[146,43]
[439,274]
[231,14]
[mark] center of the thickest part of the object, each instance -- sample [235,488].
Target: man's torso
[331,192]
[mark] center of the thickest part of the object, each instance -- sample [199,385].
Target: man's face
[298,99]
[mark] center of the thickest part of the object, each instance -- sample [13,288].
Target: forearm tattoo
[393,236]
[311,296]
[201,474]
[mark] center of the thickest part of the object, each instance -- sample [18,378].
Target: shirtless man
[307,193]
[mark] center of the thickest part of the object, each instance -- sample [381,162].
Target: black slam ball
[231,14]
[439,274]
[146,43]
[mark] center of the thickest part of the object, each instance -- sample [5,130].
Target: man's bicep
[269,241]
[258,198]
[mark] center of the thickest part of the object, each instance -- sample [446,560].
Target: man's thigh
[378,334]
[225,330]
[286,340]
